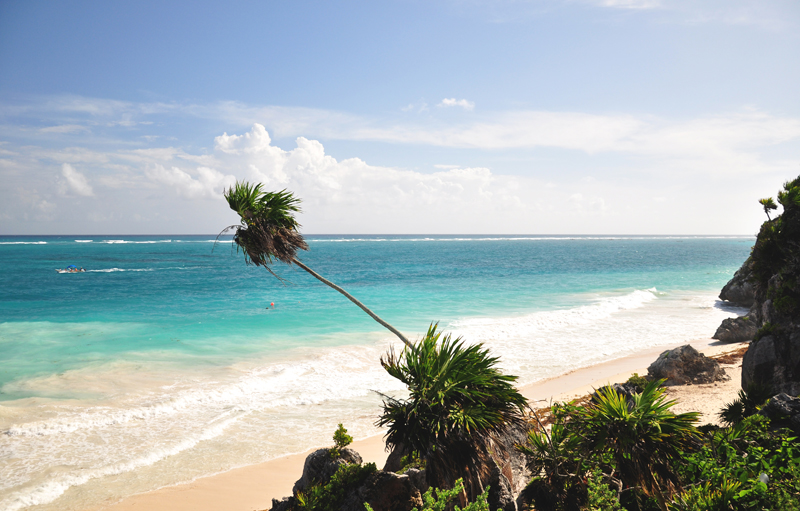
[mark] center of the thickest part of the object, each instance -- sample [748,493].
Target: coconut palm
[268,233]
[643,436]
[768,204]
[457,400]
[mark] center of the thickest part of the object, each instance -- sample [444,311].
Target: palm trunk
[352,299]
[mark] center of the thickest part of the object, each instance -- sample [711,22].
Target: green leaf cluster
[743,467]
[268,230]
[455,392]
[330,496]
[444,499]
[340,440]
[635,454]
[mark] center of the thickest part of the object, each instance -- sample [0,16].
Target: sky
[399,117]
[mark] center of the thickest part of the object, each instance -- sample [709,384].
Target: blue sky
[549,116]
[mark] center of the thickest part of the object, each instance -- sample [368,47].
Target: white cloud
[75,181]
[463,103]
[630,4]
[209,183]
[64,128]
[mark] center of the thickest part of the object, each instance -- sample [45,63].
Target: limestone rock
[774,360]
[783,411]
[285,504]
[736,330]
[393,460]
[319,467]
[684,365]
[509,470]
[739,290]
[385,491]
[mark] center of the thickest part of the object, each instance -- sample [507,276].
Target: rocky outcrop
[320,466]
[783,411]
[685,365]
[740,290]
[500,466]
[385,491]
[509,471]
[773,358]
[739,329]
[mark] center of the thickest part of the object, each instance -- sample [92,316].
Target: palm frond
[268,228]
[457,399]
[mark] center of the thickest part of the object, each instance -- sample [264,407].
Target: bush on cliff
[330,496]
[636,443]
[749,466]
[457,398]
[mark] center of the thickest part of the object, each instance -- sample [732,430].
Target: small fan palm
[644,437]
[747,403]
[457,399]
[268,233]
[769,204]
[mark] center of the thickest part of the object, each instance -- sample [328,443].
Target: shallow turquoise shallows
[165,360]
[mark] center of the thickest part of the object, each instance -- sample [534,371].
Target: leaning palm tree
[268,233]
[457,400]
[642,435]
[768,204]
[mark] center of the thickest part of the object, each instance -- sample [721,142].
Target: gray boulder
[685,365]
[783,411]
[385,491]
[774,360]
[736,330]
[739,290]
[320,466]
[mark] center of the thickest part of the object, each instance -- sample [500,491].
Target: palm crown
[268,228]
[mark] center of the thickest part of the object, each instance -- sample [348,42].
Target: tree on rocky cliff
[268,233]
[768,204]
[457,400]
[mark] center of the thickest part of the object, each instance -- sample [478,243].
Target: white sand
[253,487]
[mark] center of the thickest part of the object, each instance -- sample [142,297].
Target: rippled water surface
[162,362]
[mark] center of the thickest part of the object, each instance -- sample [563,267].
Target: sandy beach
[253,487]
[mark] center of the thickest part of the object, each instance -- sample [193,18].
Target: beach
[253,487]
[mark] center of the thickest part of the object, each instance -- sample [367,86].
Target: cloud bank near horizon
[634,174]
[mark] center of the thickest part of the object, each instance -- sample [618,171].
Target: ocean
[165,361]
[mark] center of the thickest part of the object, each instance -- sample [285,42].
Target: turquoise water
[164,354]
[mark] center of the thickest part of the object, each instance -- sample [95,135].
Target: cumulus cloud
[208,183]
[463,103]
[75,181]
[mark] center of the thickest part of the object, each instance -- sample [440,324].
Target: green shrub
[600,496]
[765,330]
[640,382]
[330,496]
[410,461]
[748,403]
[340,439]
[445,497]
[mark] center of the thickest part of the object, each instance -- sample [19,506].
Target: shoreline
[253,487]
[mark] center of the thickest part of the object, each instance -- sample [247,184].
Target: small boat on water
[70,269]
